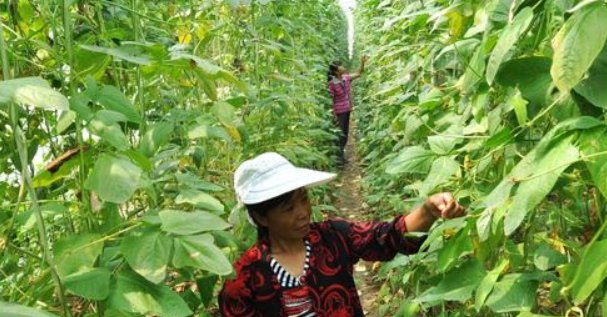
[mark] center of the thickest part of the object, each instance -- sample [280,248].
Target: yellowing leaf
[184,36]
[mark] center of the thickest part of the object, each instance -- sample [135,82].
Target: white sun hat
[270,175]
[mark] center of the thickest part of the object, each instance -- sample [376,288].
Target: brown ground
[350,205]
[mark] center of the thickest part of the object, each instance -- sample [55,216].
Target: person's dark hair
[333,70]
[263,207]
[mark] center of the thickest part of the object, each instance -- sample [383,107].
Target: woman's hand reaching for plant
[442,205]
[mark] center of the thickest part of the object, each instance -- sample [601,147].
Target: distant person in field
[340,88]
[303,268]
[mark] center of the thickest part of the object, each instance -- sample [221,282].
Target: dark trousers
[343,120]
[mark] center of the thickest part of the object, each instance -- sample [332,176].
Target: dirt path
[350,205]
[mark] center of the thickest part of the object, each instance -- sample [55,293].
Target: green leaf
[121,53]
[573,124]
[208,86]
[148,254]
[502,137]
[111,98]
[79,103]
[208,70]
[581,4]
[442,145]
[132,293]
[457,285]
[591,272]
[593,86]
[32,91]
[487,284]
[592,142]
[196,182]
[46,178]
[200,130]
[65,120]
[474,71]
[577,44]
[437,233]
[483,224]
[105,126]
[546,258]
[500,193]
[453,250]
[200,252]
[118,313]
[441,171]
[513,293]
[199,199]
[226,114]
[507,39]
[206,285]
[114,179]
[546,171]
[531,75]
[48,210]
[16,310]
[187,223]
[520,107]
[528,314]
[91,284]
[206,66]
[430,99]
[413,159]
[76,253]
[155,137]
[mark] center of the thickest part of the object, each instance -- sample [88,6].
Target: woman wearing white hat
[298,268]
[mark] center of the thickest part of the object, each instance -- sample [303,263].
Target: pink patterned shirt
[340,91]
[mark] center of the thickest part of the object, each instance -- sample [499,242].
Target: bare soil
[350,205]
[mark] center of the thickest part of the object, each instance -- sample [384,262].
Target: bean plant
[503,103]
[122,123]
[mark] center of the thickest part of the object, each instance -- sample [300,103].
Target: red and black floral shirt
[336,245]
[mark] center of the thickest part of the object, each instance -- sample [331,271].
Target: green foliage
[130,123]
[508,37]
[125,178]
[32,91]
[463,96]
[9,309]
[148,254]
[576,47]
[185,223]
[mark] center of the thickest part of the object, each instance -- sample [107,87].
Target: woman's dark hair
[333,70]
[263,207]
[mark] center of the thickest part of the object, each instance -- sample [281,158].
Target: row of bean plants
[503,103]
[122,123]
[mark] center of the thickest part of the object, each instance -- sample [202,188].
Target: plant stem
[70,61]
[140,96]
[43,237]
[4,58]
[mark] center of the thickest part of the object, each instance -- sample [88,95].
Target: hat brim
[281,183]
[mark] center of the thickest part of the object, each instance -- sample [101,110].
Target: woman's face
[341,70]
[290,220]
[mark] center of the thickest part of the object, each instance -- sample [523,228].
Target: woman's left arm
[381,241]
[361,68]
